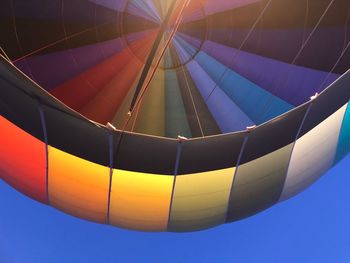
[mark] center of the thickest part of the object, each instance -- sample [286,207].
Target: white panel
[313,155]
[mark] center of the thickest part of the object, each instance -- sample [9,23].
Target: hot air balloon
[171,115]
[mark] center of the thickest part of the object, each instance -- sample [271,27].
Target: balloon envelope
[172,115]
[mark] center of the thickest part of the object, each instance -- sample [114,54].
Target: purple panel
[216,6]
[195,42]
[182,54]
[55,10]
[117,5]
[38,9]
[321,52]
[137,36]
[281,43]
[294,84]
[68,63]
[145,9]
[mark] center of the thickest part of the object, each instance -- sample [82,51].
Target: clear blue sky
[312,227]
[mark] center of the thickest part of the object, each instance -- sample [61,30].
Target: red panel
[105,104]
[22,161]
[78,91]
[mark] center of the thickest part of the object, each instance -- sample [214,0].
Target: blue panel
[225,112]
[256,102]
[228,115]
[344,139]
[180,50]
[190,49]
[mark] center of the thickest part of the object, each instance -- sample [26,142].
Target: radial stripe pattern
[171,115]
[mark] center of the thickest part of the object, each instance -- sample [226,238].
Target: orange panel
[140,201]
[22,161]
[78,187]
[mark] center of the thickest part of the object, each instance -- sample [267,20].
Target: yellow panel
[151,115]
[140,201]
[78,187]
[200,200]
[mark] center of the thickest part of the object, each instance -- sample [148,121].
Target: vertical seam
[235,173]
[294,144]
[176,170]
[113,152]
[44,127]
[110,144]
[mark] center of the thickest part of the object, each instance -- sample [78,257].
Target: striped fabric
[158,115]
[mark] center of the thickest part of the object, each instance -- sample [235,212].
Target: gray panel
[196,225]
[258,184]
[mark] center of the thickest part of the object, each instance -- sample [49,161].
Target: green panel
[176,119]
[258,184]
[200,200]
[167,61]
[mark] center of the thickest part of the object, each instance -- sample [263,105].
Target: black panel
[145,154]
[274,134]
[77,136]
[43,26]
[212,153]
[7,32]
[31,22]
[327,103]
[19,108]
[67,131]
[27,86]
